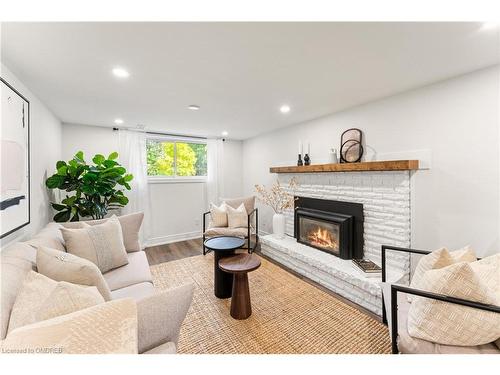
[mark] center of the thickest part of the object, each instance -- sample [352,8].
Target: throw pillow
[101,244]
[452,324]
[107,328]
[41,298]
[218,215]
[61,266]
[438,259]
[237,218]
[131,227]
[249,202]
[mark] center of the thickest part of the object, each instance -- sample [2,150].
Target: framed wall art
[15,160]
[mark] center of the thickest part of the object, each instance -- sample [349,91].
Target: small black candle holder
[307,160]
[299,162]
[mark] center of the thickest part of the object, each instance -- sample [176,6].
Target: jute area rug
[288,315]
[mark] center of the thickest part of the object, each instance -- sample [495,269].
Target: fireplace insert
[332,226]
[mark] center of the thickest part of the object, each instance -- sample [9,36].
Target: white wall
[456,122]
[45,142]
[176,207]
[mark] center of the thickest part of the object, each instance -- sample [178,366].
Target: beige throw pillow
[438,259]
[103,329]
[237,218]
[61,266]
[131,227]
[41,298]
[452,324]
[101,244]
[218,215]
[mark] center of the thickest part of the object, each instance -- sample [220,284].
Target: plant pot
[279,225]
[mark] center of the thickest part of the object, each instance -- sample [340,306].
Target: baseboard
[163,240]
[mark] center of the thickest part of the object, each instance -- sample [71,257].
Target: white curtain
[132,155]
[215,180]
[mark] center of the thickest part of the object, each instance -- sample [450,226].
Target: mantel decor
[351,148]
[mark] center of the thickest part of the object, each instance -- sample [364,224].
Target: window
[171,158]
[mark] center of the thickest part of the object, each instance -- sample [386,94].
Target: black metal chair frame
[248,237]
[395,288]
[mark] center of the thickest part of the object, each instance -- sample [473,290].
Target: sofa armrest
[160,316]
[395,288]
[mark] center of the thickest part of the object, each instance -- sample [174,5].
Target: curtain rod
[160,133]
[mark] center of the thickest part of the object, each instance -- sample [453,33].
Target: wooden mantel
[390,165]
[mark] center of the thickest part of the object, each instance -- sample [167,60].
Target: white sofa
[159,315]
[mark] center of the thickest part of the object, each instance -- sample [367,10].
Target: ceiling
[238,73]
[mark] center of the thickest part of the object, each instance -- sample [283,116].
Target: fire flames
[323,238]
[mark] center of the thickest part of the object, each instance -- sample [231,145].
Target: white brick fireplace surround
[386,205]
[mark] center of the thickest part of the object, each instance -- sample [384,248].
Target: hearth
[335,227]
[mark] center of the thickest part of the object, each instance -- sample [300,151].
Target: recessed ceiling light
[285,108]
[120,73]
[194,107]
[118,121]
[489,25]
[225,133]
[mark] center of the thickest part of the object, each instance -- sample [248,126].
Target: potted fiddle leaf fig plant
[94,188]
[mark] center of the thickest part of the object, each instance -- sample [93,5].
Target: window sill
[176,180]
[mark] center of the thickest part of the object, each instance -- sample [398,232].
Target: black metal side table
[223,247]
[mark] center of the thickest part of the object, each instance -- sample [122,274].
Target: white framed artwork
[15,160]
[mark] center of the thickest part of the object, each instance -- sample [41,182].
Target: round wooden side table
[239,265]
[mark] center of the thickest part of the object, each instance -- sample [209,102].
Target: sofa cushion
[16,261]
[160,316]
[236,232]
[135,291]
[131,227]
[136,271]
[218,215]
[438,259]
[41,298]
[61,266]
[109,327]
[50,236]
[101,244]
[411,345]
[453,324]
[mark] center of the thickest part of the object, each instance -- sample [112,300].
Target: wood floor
[173,251]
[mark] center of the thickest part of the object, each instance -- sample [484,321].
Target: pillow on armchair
[237,218]
[438,259]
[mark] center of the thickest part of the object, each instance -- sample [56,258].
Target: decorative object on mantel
[299,161]
[307,159]
[366,166]
[367,267]
[333,156]
[95,187]
[351,149]
[279,200]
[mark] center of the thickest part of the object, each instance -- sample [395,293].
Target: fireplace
[332,226]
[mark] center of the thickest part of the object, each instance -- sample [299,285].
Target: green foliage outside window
[168,158]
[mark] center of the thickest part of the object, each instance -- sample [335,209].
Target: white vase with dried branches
[279,200]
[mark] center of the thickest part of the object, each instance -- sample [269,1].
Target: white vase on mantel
[279,226]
